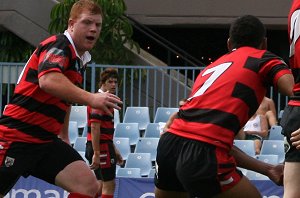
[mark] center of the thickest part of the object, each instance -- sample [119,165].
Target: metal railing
[151,86]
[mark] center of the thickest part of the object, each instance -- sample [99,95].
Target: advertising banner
[32,187]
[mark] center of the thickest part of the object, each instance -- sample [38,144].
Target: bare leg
[100,187]
[291,179]
[108,187]
[78,177]
[257,144]
[272,120]
[169,194]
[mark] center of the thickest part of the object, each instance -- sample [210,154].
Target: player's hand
[106,100]
[295,138]
[119,157]
[95,162]
[276,174]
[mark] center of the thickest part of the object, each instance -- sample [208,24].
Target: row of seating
[143,145]
[141,164]
[138,115]
[133,173]
[128,133]
[143,157]
[269,147]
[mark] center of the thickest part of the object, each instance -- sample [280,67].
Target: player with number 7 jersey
[226,94]
[196,156]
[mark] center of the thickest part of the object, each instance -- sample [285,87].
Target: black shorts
[43,161]
[201,169]
[290,122]
[107,170]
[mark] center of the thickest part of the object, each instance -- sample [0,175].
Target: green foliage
[116,31]
[13,49]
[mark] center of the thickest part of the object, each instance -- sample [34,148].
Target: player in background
[100,149]
[196,157]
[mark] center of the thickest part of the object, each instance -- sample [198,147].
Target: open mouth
[90,38]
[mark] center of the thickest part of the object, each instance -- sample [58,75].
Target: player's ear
[229,44]
[70,24]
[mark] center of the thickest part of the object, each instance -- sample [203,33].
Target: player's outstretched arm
[285,84]
[274,172]
[58,85]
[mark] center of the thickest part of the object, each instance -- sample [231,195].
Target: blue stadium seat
[271,159]
[275,147]
[73,131]
[80,144]
[140,160]
[82,153]
[128,130]
[85,130]
[275,133]
[152,130]
[152,173]
[280,114]
[163,114]
[116,117]
[123,146]
[79,114]
[255,176]
[246,145]
[129,172]
[243,170]
[138,115]
[147,145]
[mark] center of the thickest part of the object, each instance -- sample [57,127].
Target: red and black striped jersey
[226,94]
[34,115]
[106,124]
[294,34]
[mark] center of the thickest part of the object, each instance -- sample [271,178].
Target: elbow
[286,84]
[288,91]
[47,82]
[43,85]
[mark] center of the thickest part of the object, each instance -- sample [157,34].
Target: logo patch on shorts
[9,161]
[112,161]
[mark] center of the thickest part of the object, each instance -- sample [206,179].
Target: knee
[108,187]
[93,188]
[88,187]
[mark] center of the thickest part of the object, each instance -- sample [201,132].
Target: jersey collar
[86,57]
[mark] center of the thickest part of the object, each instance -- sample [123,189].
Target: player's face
[110,85]
[85,31]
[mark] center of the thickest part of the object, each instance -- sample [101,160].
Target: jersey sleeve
[96,115]
[272,68]
[54,57]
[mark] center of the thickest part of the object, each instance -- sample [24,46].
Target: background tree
[116,31]
[13,48]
